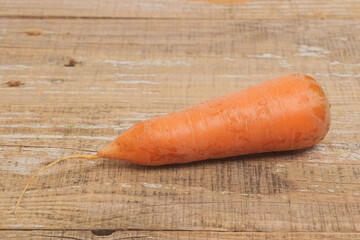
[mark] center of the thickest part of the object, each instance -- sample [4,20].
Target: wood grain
[125,73]
[75,75]
[182,235]
[182,9]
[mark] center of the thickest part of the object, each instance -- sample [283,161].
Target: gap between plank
[163,18]
[176,230]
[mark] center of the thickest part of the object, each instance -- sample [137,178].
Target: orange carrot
[285,113]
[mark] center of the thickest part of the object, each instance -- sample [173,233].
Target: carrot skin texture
[286,113]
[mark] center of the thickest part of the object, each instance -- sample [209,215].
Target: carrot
[285,113]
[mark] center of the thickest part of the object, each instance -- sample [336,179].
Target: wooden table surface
[75,74]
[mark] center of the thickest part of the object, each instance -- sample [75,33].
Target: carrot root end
[87,157]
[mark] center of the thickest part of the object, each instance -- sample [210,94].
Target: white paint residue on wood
[234,76]
[102,126]
[334,63]
[311,51]
[116,127]
[117,63]
[76,92]
[52,77]
[265,55]
[94,88]
[350,153]
[355,156]
[152,185]
[285,64]
[14,113]
[137,82]
[170,187]
[322,74]
[18,76]
[14,67]
[344,131]
[345,81]
[21,165]
[7,148]
[120,75]
[32,118]
[122,88]
[15,225]
[244,76]
[341,75]
[148,62]
[134,75]
[134,119]
[28,162]
[149,93]
[16,89]
[47,82]
[47,126]
[126,185]
[342,38]
[21,136]
[25,126]
[161,62]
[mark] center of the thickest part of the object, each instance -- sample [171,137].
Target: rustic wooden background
[75,74]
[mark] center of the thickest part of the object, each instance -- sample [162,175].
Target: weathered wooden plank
[316,190]
[178,56]
[90,127]
[106,234]
[269,192]
[126,71]
[183,9]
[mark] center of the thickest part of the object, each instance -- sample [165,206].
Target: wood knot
[14,83]
[71,63]
[33,33]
